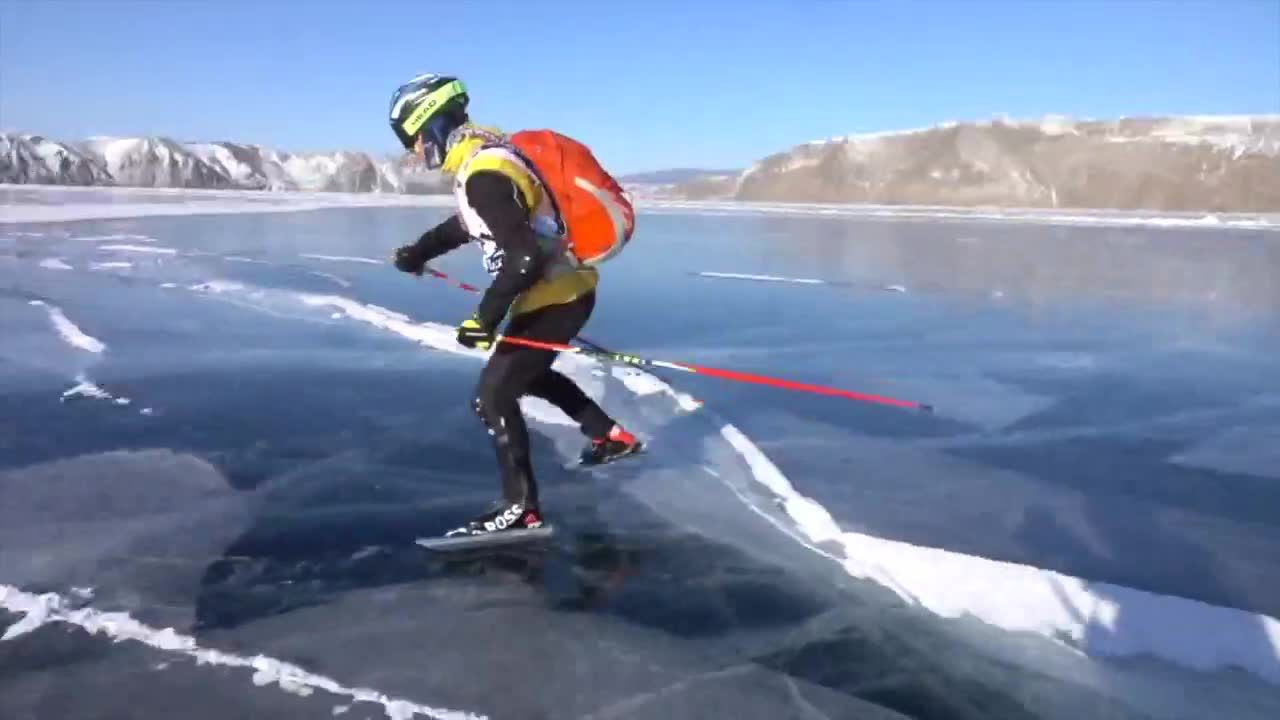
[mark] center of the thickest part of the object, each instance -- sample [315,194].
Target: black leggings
[514,371]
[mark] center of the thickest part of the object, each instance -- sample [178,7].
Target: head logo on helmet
[429,106]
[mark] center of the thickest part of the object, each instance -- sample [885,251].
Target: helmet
[430,106]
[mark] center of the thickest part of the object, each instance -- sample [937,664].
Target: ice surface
[904,212]
[69,331]
[39,610]
[1098,619]
[1248,450]
[144,202]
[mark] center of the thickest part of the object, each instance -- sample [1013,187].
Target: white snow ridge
[763,278]
[39,610]
[87,388]
[343,258]
[152,249]
[1020,598]
[214,286]
[69,331]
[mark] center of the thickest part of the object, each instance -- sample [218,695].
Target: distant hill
[162,162]
[1212,163]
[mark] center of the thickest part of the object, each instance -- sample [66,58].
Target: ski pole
[718,372]
[472,288]
[456,283]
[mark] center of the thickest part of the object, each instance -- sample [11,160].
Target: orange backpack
[596,215]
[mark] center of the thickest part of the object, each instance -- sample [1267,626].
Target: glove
[474,335]
[410,259]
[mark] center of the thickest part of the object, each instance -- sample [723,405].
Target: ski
[486,540]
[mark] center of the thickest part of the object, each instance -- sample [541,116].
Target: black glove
[472,334]
[410,259]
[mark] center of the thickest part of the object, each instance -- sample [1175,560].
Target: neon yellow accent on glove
[472,334]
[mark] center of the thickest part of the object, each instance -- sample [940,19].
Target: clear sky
[648,83]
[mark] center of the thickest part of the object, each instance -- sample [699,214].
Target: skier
[505,204]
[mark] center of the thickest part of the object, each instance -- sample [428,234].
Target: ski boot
[617,444]
[502,517]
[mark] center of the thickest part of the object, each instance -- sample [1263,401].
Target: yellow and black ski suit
[547,296]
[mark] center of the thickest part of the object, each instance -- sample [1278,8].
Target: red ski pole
[456,283]
[720,373]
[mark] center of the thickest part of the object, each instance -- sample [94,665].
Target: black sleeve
[498,202]
[446,236]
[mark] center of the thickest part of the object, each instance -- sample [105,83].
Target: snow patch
[765,278]
[342,258]
[433,335]
[329,276]
[640,383]
[40,610]
[140,249]
[110,265]
[87,388]
[54,264]
[215,286]
[70,331]
[119,236]
[544,412]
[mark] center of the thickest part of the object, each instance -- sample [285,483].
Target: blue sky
[649,84]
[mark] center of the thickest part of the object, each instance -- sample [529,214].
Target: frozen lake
[233,425]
